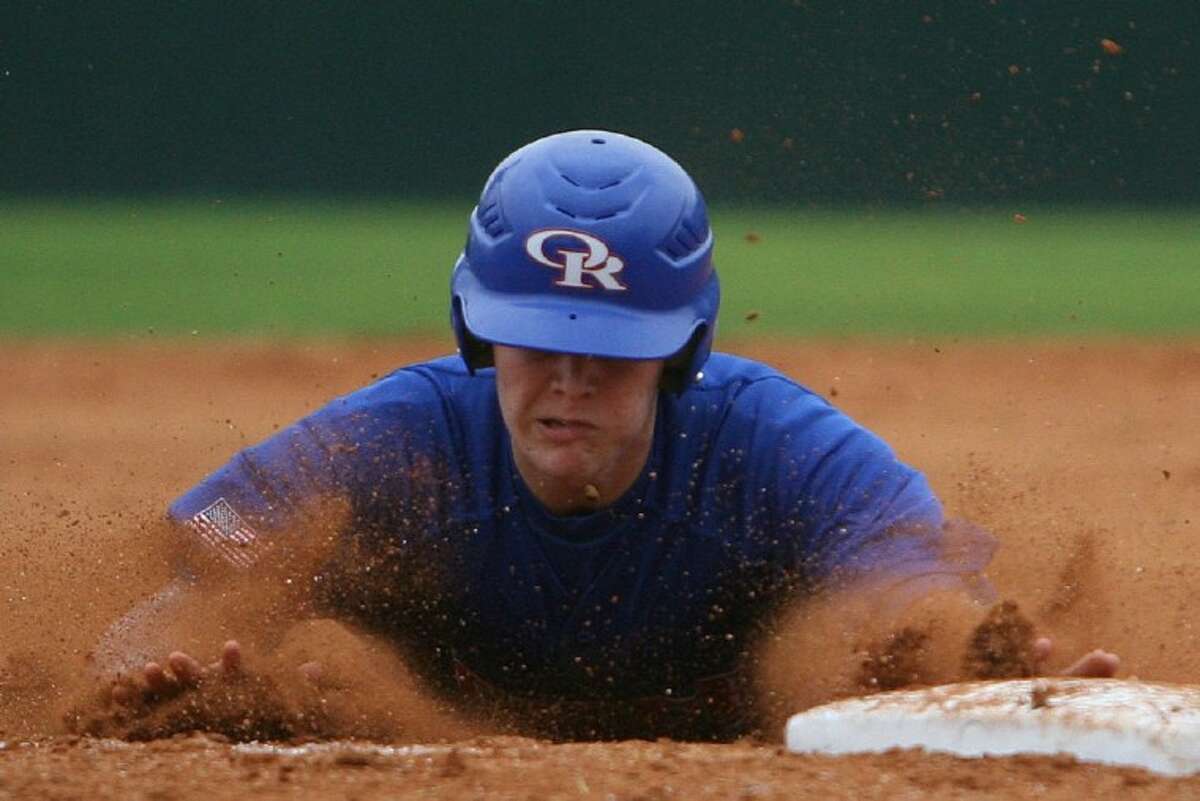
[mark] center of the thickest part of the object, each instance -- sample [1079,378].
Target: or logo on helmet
[593,261]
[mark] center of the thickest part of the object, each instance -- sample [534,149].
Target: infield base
[1110,721]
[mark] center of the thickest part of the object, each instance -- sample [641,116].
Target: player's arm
[251,540]
[908,605]
[203,618]
[216,633]
[861,638]
[874,635]
[244,544]
[891,592]
[142,634]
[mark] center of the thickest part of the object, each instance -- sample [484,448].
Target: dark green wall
[857,101]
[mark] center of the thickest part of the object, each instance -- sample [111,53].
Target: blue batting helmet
[588,242]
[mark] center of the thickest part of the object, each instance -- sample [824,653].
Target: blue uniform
[755,490]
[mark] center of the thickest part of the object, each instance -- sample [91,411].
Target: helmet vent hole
[688,238]
[488,213]
[597,141]
[573,316]
[561,210]
[491,220]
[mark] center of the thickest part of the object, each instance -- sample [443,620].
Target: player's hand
[182,672]
[1097,664]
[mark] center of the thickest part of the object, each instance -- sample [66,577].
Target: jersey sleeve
[277,487]
[848,509]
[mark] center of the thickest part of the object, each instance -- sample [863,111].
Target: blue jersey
[755,491]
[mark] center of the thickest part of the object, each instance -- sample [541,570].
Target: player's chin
[570,463]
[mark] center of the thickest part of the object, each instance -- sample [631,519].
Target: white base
[1117,722]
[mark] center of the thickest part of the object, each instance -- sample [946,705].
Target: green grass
[971,272]
[225,267]
[304,268]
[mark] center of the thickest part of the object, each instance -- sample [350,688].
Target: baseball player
[585,516]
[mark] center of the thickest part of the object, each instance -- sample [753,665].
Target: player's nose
[573,373]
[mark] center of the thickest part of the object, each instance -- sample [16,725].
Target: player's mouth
[564,429]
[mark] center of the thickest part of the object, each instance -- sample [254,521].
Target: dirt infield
[1083,457]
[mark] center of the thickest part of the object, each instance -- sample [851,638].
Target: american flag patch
[225,530]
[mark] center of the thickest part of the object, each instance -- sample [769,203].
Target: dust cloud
[1080,457]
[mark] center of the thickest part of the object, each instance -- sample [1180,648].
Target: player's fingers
[231,657]
[311,671]
[186,669]
[122,694]
[1099,664]
[157,679]
[1042,648]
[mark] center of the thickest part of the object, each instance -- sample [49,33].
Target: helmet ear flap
[475,352]
[680,370]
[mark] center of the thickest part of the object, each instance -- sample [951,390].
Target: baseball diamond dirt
[1083,457]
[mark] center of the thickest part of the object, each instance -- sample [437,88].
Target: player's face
[581,426]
